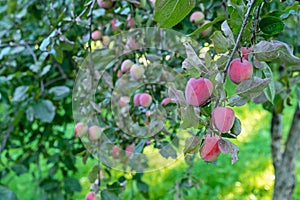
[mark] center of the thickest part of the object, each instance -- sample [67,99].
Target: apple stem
[238,38]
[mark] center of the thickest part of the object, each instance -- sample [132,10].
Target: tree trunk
[284,162]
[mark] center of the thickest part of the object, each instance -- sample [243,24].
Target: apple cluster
[198,18]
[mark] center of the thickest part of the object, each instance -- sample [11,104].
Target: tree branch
[238,38]
[8,131]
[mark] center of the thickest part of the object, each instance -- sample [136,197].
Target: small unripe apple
[137,72]
[210,149]
[207,31]
[129,150]
[198,91]
[245,51]
[96,35]
[105,40]
[80,129]
[197,17]
[105,3]
[91,196]
[126,65]
[114,25]
[223,119]
[115,152]
[130,21]
[165,101]
[124,100]
[94,133]
[240,70]
[148,113]
[136,100]
[145,100]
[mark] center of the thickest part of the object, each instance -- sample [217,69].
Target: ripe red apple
[129,150]
[210,149]
[198,91]
[239,70]
[245,51]
[197,17]
[115,152]
[165,101]
[126,65]
[80,129]
[137,71]
[94,133]
[124,100]
[136,100]
[145,100]
[96,35]
[223,119]
[91,196]
[105,3]
[130,21]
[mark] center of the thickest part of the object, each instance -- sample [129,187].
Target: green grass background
[251,177]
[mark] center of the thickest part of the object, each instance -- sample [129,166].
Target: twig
[238,38]
[8,131]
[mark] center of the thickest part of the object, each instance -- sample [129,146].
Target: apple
[245,52]
[240,70]
[126,65]
[210,149]
[165,101]
[124,100]
[96,35]
[145,100]
[198,91]
[223,119]
[115,152]
[137,71]
[105,3]
[197,17]
[91,196]
[94,133]
[129,150]
[80,129]
[136,100]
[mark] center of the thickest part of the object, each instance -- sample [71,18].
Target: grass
[250,178]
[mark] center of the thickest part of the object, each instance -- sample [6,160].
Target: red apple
[245,51]
[115,152]
[136,100]
[239,70]
[96,35]
[80,129]
[91,196]
[129,150]
[94,133]
[124,100]
[126,65]
[223,119]
[105,3]
[210,149]
[198,91]
[197,17]
[165,101]
[145,100]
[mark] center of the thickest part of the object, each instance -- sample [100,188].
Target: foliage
[43,45]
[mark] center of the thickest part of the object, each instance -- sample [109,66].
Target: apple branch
[238,37]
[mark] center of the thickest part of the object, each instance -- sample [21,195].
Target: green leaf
[271,25]
[142,186]
[193,64]
[237,100]
[45,43]
[44,110]
[192,145]
[205,26]
[20,93]
[228,33]
[168,151]
[7,194]
[107,195]
[252,87]
[237,127]
[71,185]
[168,13]
[298,94]
[227,147]
[270,90]
[59,92]
[189,117]
[220,42]
[19,169]
[93,175]
[58,54]
[275,51]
